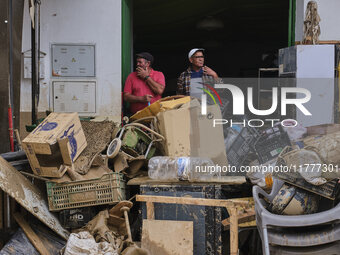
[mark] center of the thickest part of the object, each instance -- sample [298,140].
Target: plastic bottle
[182,168]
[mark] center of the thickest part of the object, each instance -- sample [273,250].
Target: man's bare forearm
[133,99]
[156,87]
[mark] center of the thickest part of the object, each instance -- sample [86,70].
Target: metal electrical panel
[74,96]
[70,60]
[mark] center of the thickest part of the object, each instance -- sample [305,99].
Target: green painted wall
[126,39]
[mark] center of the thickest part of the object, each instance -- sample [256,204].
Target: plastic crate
[241,146]
[271,143]
[108,189]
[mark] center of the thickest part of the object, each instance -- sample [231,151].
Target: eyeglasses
[198,57]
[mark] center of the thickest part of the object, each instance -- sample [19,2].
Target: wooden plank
[17,135]
[168,237]
[245,217]
[150,210]
[189,201]
[29,196]
[233,232]
[224,180]
[31,235]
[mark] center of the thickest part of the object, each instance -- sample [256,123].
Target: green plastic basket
[108,189]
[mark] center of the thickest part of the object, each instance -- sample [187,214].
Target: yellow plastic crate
[162,104]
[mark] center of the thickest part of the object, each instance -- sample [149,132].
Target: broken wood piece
[17,135]
[116,209]
[134,166]
[115,220]
[36,176]
[117,224]
[242,218]
[120,162]
[28,196]
[233,231]
[97,160]
[73,174]
[190,201]
[31,235]
[150,211]
[98,227]
[226,180]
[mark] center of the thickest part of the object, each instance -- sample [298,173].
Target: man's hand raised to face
[141,73]
[209,71]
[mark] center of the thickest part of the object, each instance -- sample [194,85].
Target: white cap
[193,51]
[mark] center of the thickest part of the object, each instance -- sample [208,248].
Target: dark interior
[245,34]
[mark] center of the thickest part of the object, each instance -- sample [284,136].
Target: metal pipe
[10,127]
[10,101]
[293,22]
[37,54]
[8,212]
[12,156]
[10,76]
[10,23]
[290,23]
[33,63]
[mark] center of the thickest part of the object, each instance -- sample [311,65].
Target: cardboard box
[188,133]
[58,140]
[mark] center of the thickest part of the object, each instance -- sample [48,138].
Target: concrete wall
[80,21]
[330,19]
[17,10]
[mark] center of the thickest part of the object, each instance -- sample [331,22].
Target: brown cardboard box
[188,133]
[58,140]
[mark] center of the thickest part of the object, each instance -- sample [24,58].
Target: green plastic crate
[108,189]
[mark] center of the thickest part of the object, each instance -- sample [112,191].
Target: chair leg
[265,242]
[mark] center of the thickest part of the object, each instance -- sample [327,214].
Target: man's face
[143,63]
[197,59]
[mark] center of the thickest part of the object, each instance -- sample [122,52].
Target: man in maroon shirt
[145,85]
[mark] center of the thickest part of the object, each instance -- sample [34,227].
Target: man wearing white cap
[191,81]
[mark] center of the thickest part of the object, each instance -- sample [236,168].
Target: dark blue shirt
[198,74]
